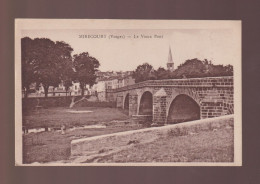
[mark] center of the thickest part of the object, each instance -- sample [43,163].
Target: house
[112,82]
[128,80]
[104,81]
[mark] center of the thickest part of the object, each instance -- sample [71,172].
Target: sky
[125,54]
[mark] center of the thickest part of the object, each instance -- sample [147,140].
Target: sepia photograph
[128,92]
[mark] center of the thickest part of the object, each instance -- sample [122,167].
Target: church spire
[170,64]
[170,56]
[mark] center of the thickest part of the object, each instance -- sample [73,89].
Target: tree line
[49,63]
[193,68]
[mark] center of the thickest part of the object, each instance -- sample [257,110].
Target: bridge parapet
[226,81]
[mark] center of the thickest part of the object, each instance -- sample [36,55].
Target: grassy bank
[53,146]
[57,116]
[29,104]
[208,140]
[202,141]
[208,146]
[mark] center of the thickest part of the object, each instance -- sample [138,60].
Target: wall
[214,95]
[88,147]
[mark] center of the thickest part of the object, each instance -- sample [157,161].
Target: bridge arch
[126,102]
[183,108]
[146,104]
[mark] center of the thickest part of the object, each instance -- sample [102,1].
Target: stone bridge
[176,100]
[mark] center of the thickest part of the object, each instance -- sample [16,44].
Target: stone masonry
[214,95]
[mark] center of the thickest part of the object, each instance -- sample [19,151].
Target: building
[112,82]
[73,90]
[104,81]
[128,80]
[170,63]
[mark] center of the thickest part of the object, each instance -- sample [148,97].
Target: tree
[65,66]
[190,69]
[68,77]
[51,58]
[229,70]
[85,68]
[144,72]
[28,64]
[196,68]
[162,73]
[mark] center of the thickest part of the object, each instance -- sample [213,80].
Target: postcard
[128,92]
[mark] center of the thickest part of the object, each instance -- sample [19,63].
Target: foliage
[43,61]
[192,68]
[85,67]
[68,76]
[196,68]
[144,72]
[28,64]
[162,73]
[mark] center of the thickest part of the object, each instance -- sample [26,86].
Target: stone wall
[90,147]
[214,95]
[133,104]
[226,81]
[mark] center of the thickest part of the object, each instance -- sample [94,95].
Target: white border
[36,24]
